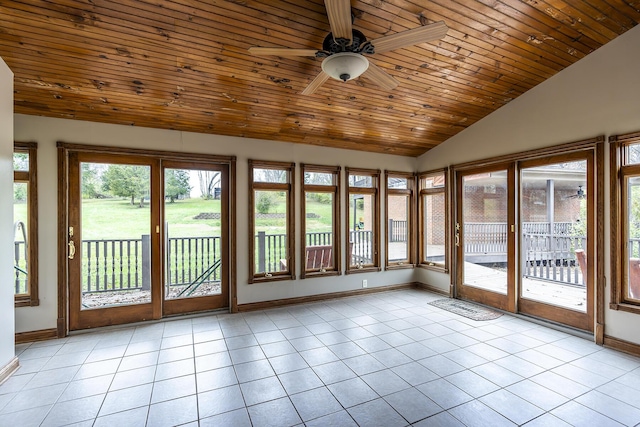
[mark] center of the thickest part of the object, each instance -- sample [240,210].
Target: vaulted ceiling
[184,64]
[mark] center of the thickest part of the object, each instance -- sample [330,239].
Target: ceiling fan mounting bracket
[359,45]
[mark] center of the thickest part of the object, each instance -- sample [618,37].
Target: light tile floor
[386,359]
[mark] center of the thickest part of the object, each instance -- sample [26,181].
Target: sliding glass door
[484,236]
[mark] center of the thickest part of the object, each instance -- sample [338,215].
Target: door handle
[457,239]
[72,249]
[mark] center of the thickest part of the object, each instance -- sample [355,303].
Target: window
[399,190]
[25,224]
[363,224]
[432,211]
[625,222]
[320,220]
[271,221]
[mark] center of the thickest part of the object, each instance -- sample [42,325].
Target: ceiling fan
[580,194]
[344,48]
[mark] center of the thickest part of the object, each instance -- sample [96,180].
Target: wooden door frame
[494,299]
[108,316]
[573,318]
[187,305]
[595,146]
[64,149]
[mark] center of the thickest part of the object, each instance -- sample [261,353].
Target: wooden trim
[8,369]
[289,188]
[410,193]
[586,144]
[334,190]
[421,193]
[622,345]
[233,238]
[584,320]
[41,335]
[374,192]
[174,155]
[63,219]
[506,302]
[322,297]
[205,302]
[31,178]
[600,242]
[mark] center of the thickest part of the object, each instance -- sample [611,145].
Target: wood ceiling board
[183,64]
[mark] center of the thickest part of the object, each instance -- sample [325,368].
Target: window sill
[399,266]
[362,270]
[273,278]
[434,267]
[26,302]
[625,306]
[313,274]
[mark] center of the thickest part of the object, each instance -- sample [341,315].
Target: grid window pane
[398,223]
[21,162]
[632,154]
[398,183]
[361,229]
[271,231]
[20,238]
[279,176]
[632,289]
[319,178]
[319,226]
[432,181]
[361,181]
[434,239]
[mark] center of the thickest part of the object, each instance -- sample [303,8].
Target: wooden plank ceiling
[183,64]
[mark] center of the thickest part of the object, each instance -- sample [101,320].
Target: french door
[557,206]
[485,236]
[524,234]
[143,240]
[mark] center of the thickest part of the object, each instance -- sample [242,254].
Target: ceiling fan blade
[380,77]
[339,14]
[423,34]
[316,83]
[281,51]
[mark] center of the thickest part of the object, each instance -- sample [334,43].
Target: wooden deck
[545,291]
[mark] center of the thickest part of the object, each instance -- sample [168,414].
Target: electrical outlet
[364,283]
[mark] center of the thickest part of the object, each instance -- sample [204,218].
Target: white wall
[7,348]
[47,131]
[599,95]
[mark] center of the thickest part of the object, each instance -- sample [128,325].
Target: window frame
[374,191]
[422,193]
[620,171]
[333,189]
[31,178]
[408,262]
[287,187]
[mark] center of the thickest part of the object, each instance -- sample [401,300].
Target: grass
[117,219]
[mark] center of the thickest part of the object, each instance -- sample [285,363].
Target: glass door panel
[557,208]
[110,239]
[116,255]
[193,221]
[194,207]
[554,234]
[484,237]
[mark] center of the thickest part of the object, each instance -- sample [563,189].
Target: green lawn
[117,219]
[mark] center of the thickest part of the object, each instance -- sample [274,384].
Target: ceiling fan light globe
[345,66]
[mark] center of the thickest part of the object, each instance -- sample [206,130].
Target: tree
[127,181]
[90,180]
[208,181]
[176,184]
